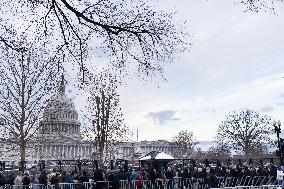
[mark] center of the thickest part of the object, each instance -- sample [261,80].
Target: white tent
[145,158]
[162,155]
[156,155]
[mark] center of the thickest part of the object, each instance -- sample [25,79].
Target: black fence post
[79,162]
[22,166]
[125,165]
[1,166]
[111,164]
[96,164]
[60,166]
[41,164]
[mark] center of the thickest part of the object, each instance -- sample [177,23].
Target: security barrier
[257,182]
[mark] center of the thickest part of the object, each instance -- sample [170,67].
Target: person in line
[26,181]
[18,182]
[279,176]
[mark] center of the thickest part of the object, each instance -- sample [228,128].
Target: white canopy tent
[156,155]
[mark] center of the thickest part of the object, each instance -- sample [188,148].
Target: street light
[277,129]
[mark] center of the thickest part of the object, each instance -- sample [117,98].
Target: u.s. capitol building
[59,136]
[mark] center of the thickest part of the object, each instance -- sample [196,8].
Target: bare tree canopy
[215,152]
[27,80]
[133,33]
[245,131]
[130,32]
[183,144]
[259,5]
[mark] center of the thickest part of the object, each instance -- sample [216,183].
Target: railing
[246,181]
[31,186]
[257,182]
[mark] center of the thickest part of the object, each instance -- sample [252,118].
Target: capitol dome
[60,107]
[59,134]
[60,115]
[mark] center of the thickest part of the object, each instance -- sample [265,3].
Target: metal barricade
[38,186]
[201,183]
[258,180]
[271,180]
[50,186]
[187,183]
[103,184]
[88,185]
[269,187]
[7,186]
[147,184]
[123,184]
[70,186]
[161,184]
[20,187]
[220,181]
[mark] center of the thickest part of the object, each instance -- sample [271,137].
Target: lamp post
[277,129]
[132,152]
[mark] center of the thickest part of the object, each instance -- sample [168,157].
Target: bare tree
[214,153]
[246,132]
[107,127]
[183,144]
[128,31]
[27,79]
[219,152]
[259,5]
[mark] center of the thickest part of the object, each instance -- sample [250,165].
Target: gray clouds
[281,95]
[163,117]
[267,108]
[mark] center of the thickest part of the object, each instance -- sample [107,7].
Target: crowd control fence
[256,182]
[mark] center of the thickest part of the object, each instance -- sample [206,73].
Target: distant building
[129,150]
[205,146]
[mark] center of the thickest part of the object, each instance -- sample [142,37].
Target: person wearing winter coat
[43,178]
[18,182]
[279,177]
[26,181]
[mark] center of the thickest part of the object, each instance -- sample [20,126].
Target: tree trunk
[101,154]
[22,154]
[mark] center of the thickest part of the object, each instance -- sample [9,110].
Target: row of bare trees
[242,131]
[29,79]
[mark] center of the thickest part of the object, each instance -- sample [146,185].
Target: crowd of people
[169,175]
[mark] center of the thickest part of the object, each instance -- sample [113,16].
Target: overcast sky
[236,61]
